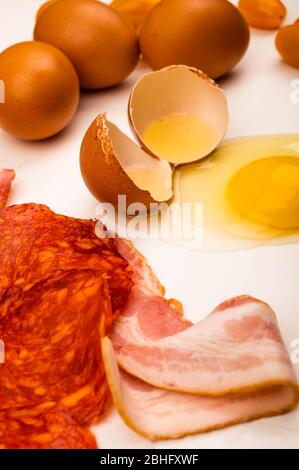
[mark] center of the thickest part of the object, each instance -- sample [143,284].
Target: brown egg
[263,14]
[108,157]
[43,8]
[100,43]
[287,44]
[209,35]
[41,90]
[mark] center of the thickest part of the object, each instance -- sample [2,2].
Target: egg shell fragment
[178,90]
[106,156]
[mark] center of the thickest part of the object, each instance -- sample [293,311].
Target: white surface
[48,172]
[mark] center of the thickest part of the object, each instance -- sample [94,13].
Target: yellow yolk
[267,192]
[179,138]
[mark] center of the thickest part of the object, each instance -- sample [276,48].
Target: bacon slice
[234,361]
[237,348]
[6,179]
[162,414]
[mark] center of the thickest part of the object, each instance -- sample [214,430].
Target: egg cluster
[77,43]
[90,45]
[96,46]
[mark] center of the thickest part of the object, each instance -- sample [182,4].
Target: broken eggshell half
[112,164]
[179,90]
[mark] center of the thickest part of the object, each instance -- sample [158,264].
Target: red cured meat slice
[52,332]
[6,179]
[60,286]
[43,427]
[35,243]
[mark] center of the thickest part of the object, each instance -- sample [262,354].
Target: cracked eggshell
[107,157]
[174,90]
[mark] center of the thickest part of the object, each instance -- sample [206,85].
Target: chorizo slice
[52,332]
[35,243]
[43,427]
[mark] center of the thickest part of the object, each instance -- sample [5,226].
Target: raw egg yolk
[267,192]
[179,138]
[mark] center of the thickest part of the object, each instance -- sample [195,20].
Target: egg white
[225,229]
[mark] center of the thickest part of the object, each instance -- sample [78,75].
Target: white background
[48,172]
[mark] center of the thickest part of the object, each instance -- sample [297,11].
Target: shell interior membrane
[147,172]
[178,113]
[249,191]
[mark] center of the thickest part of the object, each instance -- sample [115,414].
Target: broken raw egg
[112,165]
[178,114]
[249,192]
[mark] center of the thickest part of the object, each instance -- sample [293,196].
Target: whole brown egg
[211,35]
[43,7]
[41,90]
[101,44]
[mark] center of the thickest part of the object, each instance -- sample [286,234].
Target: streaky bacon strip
[6,179]
[236,348]
[231,367]
[162,414]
